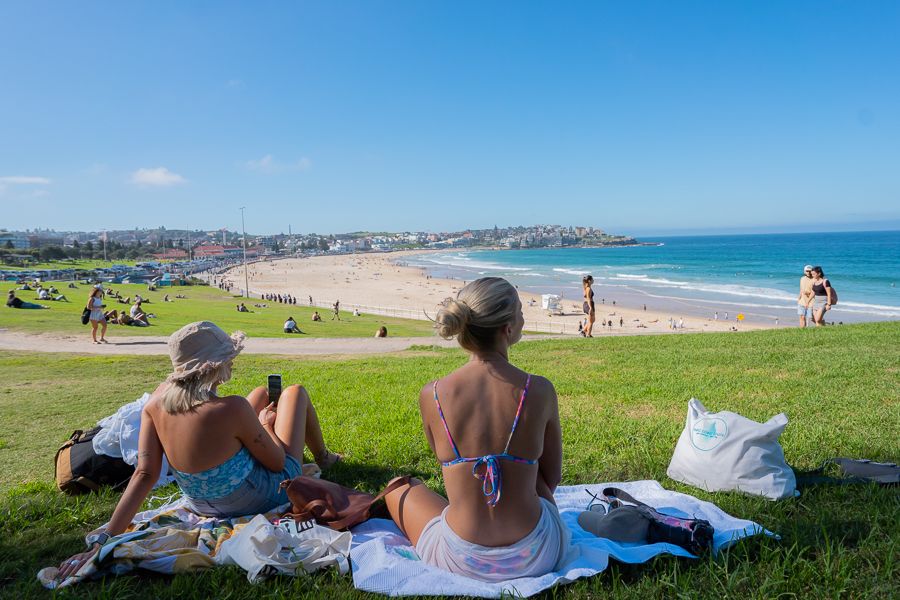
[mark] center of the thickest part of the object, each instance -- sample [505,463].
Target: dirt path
[299,346]
[144,345]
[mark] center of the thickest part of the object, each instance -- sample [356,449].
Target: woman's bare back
[479,402]
[200,439]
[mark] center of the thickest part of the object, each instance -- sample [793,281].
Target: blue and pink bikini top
[490,479]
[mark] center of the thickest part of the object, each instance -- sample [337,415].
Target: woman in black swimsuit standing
[822,298]
[587,281]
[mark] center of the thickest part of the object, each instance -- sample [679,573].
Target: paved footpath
[144,345]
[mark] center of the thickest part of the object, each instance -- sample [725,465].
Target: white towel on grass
[384,561]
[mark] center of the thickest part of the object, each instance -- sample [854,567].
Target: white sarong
[537,553]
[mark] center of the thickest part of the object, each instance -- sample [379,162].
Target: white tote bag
[725,451]
[290,548]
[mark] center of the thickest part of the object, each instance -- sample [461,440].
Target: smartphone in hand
[274,387]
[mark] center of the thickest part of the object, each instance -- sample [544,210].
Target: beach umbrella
[740,317]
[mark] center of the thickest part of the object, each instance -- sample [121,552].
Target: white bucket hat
[201,347]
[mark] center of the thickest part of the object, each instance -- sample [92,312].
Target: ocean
[757,275]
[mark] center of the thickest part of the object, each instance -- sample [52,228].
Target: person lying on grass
[496,422]
[13,302]
[228,453]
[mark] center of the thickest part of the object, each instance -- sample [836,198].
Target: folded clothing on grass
[172,539]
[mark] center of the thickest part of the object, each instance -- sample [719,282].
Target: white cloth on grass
[384,561]
[119,433]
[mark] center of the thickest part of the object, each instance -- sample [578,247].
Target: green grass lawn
[202,303]
[622,402]
[72,263]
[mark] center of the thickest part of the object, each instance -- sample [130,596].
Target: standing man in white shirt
[804,300]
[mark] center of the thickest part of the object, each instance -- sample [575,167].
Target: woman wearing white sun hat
[228,453]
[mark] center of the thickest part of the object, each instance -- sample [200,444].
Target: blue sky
[638,117]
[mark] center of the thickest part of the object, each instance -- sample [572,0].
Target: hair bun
[453,318]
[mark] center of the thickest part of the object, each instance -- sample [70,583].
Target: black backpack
[80,470]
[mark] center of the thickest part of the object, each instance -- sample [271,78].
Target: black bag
[80,470]
[694,535]
[624,524]
[85,316]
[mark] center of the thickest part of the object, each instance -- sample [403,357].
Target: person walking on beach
[823,296]
[467,416]
[588,306]
[805,299]
[96,306]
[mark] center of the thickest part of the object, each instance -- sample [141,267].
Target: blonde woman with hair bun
[495,429]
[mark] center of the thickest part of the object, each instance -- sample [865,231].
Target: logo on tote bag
[708,433]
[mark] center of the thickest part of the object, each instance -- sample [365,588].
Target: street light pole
[246,276]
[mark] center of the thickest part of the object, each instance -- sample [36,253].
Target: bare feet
[326,458]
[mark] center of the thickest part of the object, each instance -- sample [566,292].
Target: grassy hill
[202,303]
[622,402]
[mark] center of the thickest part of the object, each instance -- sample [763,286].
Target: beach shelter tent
[550,302]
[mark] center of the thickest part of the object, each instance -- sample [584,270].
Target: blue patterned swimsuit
[239,486]
[219,481]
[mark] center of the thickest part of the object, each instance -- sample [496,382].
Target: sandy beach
[376,283]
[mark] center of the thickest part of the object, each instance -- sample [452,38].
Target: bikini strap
[447,429]
[518,414]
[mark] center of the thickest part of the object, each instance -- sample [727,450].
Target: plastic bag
[287,547]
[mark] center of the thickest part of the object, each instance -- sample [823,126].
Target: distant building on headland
[171,254]
[14,239]
[220,251]
[222,244]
